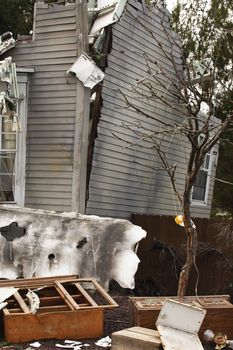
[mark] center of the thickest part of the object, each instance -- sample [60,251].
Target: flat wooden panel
[50,181]
[50,160]
[58,28]
[81,324]
[66,195]
[55,14]
[39,49]
[37,200]
[45,206]
[136,338]
[55,35]
[53,107]
[43,22]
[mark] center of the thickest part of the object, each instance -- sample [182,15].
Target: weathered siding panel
[52,107]
[127,178]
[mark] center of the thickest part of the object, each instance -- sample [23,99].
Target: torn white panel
[103,20]
[34,301]
[173,339]
[124,268]
[178,325]
[104,342]
[7,292]
[6,42]
[5,70]
[50,244]
[8,75]
[35,344]
[3,108]
[106,18]
[87,71]
[104,3]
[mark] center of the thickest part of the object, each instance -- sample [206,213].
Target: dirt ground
[115,319]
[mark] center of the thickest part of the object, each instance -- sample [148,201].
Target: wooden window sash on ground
[69,308]
[57,297]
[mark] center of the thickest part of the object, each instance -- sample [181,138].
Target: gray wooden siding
[126,180]
[52,107]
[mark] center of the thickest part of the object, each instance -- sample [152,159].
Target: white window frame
[20,158]
[208,170]
[20,162]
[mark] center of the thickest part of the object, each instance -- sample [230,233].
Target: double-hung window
[201,186]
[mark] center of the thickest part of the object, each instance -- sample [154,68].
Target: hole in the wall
[12,231]
[51,256]
[81,243]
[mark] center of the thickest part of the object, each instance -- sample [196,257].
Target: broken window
[7,158]
[9,130]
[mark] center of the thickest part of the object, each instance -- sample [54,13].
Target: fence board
[162,254]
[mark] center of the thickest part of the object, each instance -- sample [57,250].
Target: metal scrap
[7,292]
[178,325]
[87,71]
[34,301]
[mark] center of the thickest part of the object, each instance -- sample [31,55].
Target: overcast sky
[170,4]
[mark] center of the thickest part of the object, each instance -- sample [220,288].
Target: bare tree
[196,81]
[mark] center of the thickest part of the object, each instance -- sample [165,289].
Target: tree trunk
[190,259]
[191,244]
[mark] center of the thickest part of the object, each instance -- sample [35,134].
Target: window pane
[199,187]
[8,141]
[6,190]
[7,176]
[7,163]
[207,161]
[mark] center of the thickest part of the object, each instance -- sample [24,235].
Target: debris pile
[60,307]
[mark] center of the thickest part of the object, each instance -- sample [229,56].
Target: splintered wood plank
[104,294]
[136,338]
[86,295]
[21,303]
[66,296]
[6,311]
[36,281]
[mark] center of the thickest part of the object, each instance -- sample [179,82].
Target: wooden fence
[162,254]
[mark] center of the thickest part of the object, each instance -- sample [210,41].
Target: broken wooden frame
[69,308]
[145,310]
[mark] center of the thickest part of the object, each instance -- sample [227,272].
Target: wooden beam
[85,294]
[21,303]
[104,294]
[35,281]
[66,296]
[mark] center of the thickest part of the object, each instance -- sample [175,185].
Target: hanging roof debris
[6,42]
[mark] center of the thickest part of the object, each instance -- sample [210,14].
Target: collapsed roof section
[100,16]
[106,13]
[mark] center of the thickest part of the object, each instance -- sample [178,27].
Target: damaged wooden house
[75,85]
